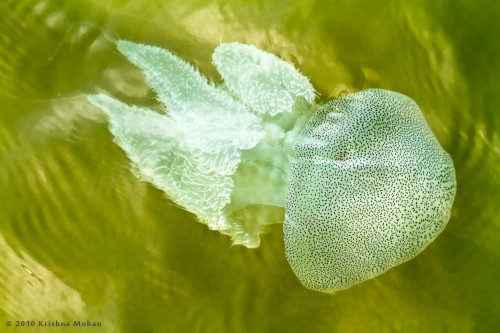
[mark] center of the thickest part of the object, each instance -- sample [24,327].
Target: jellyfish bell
[363,182]
[370,187]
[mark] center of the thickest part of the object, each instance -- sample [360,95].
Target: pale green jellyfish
[364,182]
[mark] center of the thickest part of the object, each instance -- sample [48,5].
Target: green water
[81,238]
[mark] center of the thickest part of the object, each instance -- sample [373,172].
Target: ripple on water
[30,291]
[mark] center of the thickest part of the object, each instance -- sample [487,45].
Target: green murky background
[82,239]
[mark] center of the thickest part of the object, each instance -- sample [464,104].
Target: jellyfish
[363,181]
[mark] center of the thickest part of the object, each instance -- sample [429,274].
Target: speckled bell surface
[370,188]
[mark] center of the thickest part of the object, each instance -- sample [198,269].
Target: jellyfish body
[364,182]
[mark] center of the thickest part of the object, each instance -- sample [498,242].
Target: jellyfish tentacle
[196,180]
[264,82]
[193,102]
[218,141]
[194,166]
[284,100]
